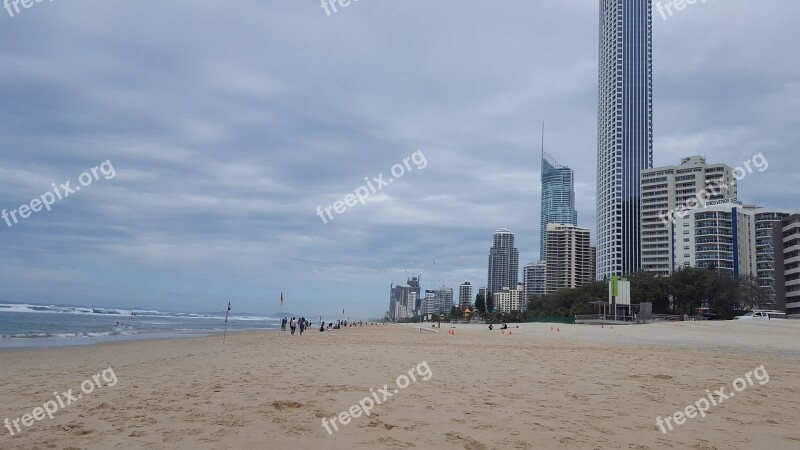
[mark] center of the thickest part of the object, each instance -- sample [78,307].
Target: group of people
[302,324]
[294,324]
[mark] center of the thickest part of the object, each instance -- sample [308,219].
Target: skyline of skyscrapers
[624,130]
[632,196]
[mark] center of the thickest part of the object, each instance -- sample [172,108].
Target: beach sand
[581,387]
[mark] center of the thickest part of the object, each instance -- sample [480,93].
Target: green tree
[749,295]
[649,287]
[688,288]
[721,292]
[490,303]
[480,304]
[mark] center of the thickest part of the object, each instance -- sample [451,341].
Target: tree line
[684,292]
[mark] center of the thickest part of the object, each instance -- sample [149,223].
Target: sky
[216,130]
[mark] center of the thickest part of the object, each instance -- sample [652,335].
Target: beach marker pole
[224,333]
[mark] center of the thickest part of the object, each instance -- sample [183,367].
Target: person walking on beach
[293,325]
[302,325]
[283,324]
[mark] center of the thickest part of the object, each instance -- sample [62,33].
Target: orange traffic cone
[601,326]
[551,328]
[558,329]
[509,332]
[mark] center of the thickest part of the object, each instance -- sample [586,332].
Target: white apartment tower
[667,192]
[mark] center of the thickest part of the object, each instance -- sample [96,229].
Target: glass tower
[624,130]
[558,198]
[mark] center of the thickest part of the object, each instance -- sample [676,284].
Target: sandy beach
[579,387]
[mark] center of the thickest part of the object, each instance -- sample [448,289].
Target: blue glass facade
[558,198]
[624,131]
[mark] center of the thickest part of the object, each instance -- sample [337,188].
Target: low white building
[509,300]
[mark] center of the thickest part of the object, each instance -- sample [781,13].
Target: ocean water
[25,325]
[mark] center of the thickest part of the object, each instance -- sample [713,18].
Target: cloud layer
[228,124]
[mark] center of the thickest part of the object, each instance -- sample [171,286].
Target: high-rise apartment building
[465,295]
[732,238]
[667,192]
[558,198]
[534,276]
[570,257]
[503,261]
[438,301]
[763,219]
[786,244]
[717,236]
[624,130]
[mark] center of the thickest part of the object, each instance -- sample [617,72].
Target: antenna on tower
[542,138]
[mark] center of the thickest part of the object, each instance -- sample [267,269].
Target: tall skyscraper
[503,262]
[558,198]
[624,130]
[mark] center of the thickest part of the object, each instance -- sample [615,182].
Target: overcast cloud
[229,123]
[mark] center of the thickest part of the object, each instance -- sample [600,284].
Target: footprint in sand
[467,442]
